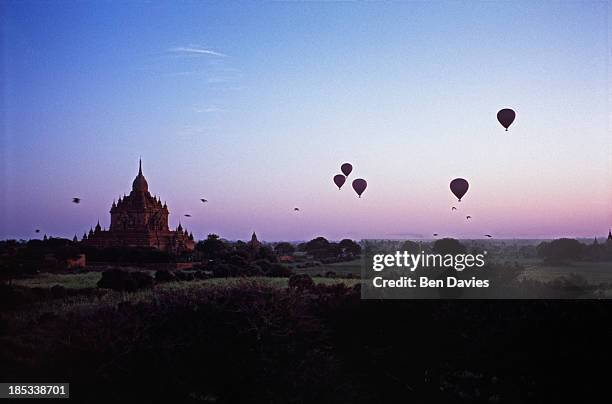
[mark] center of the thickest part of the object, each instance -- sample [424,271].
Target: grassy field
[86,303]
[535,269]
[71,281]
[341,269]
[89,280]
[593,272]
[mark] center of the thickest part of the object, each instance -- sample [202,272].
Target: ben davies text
[425,282]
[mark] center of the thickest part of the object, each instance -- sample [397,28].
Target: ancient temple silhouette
[140,220]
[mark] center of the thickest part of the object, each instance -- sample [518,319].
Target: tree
[284,248]
[448,246]
[319,247]
[411,247]
[266,253]
[561,249]
[212,247]
[350,246]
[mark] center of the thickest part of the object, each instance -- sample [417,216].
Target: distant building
[140,220]
[286,258]
[609,235]
[78,262]
[254,244]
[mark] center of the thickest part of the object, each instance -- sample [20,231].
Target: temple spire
[140,183]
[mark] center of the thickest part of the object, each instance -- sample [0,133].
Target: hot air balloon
[346,168]
[459,187]
[359,185]
[339,180]
[506,117]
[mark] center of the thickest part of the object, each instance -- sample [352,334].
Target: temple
[140,220]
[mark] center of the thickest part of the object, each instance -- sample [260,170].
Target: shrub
[301,282]
[184,276]
[58,292]
[8,296]
[265,265]
[202,274]
[279,271]
[117,279]
[223,270]
[142,280]
[163,275]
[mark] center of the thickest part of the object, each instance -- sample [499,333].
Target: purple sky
[256,106]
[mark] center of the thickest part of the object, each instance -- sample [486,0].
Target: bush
[8,297]
[58,292]
[184,276]
[301,282]
[279,271]
[265,265]
[163,275]
[224,270]
[202,275]
[142,280]
[117,279]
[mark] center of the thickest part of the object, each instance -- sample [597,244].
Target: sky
[254,106]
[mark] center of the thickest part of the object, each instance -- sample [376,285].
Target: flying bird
[187,215]
[453,208]
[488,235]
[76,200]
[296,209]
[37,230]
[204,200]
[468,217]
[435,234]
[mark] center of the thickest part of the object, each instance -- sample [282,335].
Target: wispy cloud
[183,73]
[208,109]
[191,61]
[224,75]
[195,50]
[191,132]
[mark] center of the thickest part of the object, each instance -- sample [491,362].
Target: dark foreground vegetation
[312,343]
[196,336]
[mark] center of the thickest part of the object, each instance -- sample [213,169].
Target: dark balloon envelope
[506,117]
[459,187]
[359,185]
[339,180]
[346,169]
